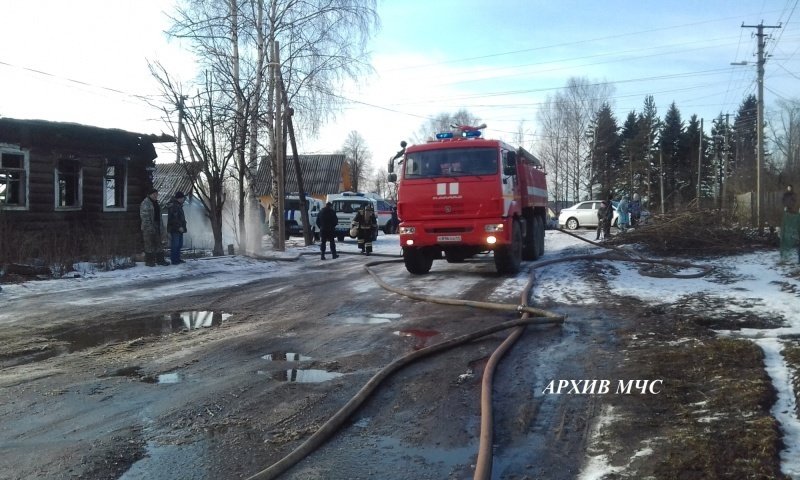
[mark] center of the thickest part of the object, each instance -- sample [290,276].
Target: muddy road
[222,382]
[220,379]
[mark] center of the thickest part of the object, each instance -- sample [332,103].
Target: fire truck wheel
[417,262]
[540,238]
[529,250]
[507,258]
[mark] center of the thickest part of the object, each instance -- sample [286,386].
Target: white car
[384,212]
[582,214]
[346,205]
[293,216]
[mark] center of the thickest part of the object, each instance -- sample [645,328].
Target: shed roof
[171,177]
[322,174]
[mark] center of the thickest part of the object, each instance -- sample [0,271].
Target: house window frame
[24,181]
[57,176]
[121,162]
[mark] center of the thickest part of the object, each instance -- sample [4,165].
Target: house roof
[322,174]
[171,177]
[28,133]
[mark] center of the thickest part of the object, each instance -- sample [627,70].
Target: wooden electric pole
[279,157]
[180,128]
[760,114]
[700,164]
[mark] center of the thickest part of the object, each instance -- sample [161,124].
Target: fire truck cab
[461,195]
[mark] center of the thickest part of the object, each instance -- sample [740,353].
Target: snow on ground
[754,282]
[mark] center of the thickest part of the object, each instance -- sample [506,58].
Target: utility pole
[180,127]
[726,157]
[279,157]
[760,113]
[699,163]
[661,177]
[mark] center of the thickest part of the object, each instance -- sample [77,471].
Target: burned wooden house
[70,191]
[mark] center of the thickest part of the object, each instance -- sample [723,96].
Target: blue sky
[498,59]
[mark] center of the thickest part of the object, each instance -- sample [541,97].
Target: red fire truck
[462,195]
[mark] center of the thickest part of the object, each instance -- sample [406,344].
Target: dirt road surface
[220,381]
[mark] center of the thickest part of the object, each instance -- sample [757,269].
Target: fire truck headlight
[493,228]
[409,242]
[491,239]
[407,230]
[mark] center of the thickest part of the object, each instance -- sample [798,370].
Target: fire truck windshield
[451,163]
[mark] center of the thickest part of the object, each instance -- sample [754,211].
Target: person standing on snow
[150,215]
[624,214]
[635,209]
[609,216]
[789,200]
[367,224]
[176,227]
[601,219]
[790,228]
[604,215]
[395,221]
[327,221]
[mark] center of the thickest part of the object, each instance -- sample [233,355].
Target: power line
[77,82]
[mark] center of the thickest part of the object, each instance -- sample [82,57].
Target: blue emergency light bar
[471,133]
[464,133]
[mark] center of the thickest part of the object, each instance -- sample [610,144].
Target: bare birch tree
[205,127]
[358,157]
[322,43]
[580,100]
[553,149]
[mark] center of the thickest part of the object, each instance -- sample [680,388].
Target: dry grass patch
[712,419]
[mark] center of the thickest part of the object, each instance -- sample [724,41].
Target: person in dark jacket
[176,227]
[609,216]
[604,215]
[326,221]
[367,223]
[789,200]
[395,221]
[150,215]
[635,209]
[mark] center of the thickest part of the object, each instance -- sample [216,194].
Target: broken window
[115,184]
[68,184]
[13,178]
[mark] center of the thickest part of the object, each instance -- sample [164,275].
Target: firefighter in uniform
[367,223]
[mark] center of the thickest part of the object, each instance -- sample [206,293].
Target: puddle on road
[373,318]
[422,337]
[285,357]
[301,376]
[163,378]
[99,333]
[169,378]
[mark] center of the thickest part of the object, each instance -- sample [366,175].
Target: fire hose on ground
[529,315]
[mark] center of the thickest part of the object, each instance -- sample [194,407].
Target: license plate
[448,238]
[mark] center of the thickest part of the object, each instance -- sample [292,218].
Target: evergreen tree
[744,142]
[632,153]
[605,151]
[646,174]
[671,156]
[696,157]
[720,153]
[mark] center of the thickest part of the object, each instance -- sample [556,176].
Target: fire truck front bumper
[486,234]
